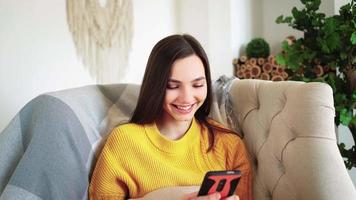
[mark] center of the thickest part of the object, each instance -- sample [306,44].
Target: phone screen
[224,182]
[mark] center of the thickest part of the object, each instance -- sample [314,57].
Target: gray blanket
[49,149]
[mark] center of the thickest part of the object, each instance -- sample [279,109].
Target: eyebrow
[195,80]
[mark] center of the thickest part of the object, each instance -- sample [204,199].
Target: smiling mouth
[185,108]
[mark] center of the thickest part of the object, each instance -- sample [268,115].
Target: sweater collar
[190,138]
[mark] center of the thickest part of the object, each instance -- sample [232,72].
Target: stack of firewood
[259,68]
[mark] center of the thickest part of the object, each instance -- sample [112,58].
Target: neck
[173,130]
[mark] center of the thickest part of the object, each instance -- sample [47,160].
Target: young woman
[170,141]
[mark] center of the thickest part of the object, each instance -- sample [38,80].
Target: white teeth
[184,107]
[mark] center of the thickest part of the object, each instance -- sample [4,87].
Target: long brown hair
[153,88]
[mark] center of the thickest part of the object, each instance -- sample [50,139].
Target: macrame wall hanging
[102,32]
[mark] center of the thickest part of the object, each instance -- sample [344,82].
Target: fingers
[233,197]
[190,196]
[215,196]
[193,196]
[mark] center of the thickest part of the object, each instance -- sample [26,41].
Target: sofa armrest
[289,131]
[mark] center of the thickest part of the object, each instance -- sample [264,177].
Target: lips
[184,109]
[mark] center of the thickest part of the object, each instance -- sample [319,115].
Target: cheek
[201,95]
[170,96]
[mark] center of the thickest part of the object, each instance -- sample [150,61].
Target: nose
[186,95]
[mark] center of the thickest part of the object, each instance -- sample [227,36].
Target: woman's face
[186,90]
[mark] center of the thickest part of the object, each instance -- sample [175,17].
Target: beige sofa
[48,151]
[289,130]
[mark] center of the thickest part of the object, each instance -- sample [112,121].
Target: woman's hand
[182,193]
[215,196]
[171,193]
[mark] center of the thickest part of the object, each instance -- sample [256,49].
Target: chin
[183,118]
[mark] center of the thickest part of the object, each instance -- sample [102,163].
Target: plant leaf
[343,55]
[323,45]
[279,19]
[330,25]
[345,116]
[280,59]
[333,41]
[332,83]
[345,9]
[311,4]
[353,38]
[288,19]
[293,61]
[305,79]
[340,98]
[353,121]
[295,13]
[285,46]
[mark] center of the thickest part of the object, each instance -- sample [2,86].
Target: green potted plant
[257,48]
[326,53]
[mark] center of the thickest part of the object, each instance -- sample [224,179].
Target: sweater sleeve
[105,182]
[238,160]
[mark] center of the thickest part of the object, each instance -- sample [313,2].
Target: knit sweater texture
[138,159]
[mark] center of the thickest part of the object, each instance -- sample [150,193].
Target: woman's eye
[198,85]
[172,86]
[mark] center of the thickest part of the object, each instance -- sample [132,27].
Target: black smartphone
[224,182]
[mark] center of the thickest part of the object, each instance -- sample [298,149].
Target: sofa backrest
[289,130]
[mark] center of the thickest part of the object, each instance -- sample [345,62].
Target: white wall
[232,23]
[223,27]
[220,44]
[37,54]
[192,18]
[246,24]
[272,32]
[153,20]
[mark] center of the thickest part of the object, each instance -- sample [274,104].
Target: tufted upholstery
[288,129]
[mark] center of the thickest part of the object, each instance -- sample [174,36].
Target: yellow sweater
[137,159]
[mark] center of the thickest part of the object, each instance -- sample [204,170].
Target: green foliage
[353,38]
[348,153]
[257,48]
[330,42]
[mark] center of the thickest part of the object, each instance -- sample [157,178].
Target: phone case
[224,182]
